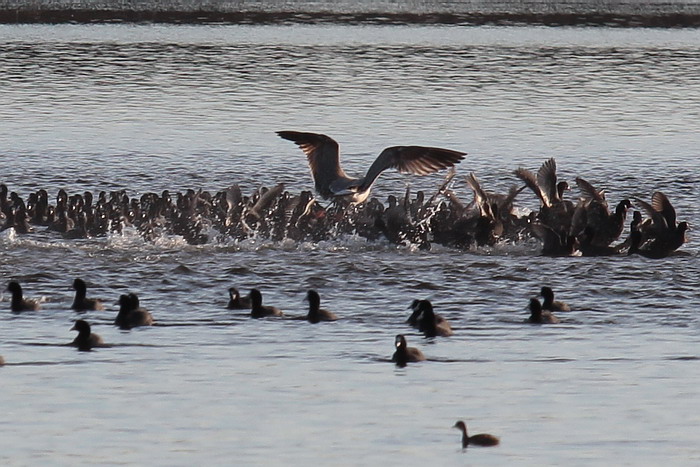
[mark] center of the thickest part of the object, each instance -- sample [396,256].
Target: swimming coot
[19,303]
[258,310]
[404,353]
[482,439]
[316,313]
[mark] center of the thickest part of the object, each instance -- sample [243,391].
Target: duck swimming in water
[86,339]
[80,302]
[258,310]
[606,227]
[404,353]
[555,212]
[482,439]
[236,302]
[540,316]
[19,303]
[660,236]
[549,303]
[316,313]
[331,181]
[131,314]
[429,323]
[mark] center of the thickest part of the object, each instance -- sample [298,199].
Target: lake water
[148,108]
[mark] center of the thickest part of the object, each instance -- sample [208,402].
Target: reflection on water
[149,108]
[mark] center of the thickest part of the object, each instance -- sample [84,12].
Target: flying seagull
[331,181]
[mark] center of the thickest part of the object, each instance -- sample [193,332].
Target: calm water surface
[148,108]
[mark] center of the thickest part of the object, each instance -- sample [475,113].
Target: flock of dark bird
[423,318]
[586,227]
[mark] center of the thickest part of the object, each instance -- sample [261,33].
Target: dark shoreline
[98,16]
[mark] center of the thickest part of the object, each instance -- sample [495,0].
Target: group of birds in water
[422,317]
[585,227]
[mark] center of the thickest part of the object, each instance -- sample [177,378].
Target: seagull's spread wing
[416,160]
[323,155]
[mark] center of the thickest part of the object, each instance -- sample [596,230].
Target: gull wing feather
[323,156]
[417,160]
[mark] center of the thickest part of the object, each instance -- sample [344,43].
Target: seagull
[332,182]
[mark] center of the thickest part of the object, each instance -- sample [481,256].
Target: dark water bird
[236,302]
[131,314]
[440,218]
[5,205]
[540,316]
[555,212]
[660,236]
[429,323]
[651,250]
[19,303]
[86,339]
[404,353]
[504,203]
[80,302]
[316,313]
[416,318]
[331,181]
[482,439]
[634,226]
[635,240]
[553,242]
[588,247]
[489,226]
[2,361]
[606,227]
[549,304]
[395,221]
[17,219]
[265,200]
[258,310]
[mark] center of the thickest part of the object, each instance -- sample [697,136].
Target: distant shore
[641,13]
